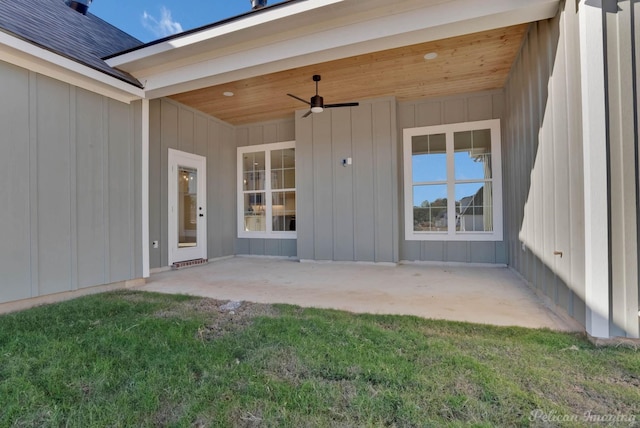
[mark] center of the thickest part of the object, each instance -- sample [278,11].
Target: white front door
[187,207]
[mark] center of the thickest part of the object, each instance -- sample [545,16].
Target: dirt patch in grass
[213,308]
[221,317]
[168,414]
[283,364]
[247,419]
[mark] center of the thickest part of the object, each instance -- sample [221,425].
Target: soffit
[474,62]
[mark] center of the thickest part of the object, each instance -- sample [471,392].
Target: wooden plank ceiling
[473,62]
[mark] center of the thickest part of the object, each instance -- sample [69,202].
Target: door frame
[178,158]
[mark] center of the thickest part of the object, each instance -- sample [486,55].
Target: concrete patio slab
[489,295]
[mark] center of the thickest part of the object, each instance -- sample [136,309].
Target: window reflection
[187,207]
[471,180]
[268,195]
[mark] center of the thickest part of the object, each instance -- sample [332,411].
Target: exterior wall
[69,216]
[255,134]
[175,126]
[543,164]
[348,213]
[622,30]
[461,108]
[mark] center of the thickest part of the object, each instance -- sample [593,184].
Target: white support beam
[145,188]
[596,189]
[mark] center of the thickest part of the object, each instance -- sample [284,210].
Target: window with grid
[267,191]
[452,182]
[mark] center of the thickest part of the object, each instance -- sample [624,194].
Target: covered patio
[215,143]
[478,294]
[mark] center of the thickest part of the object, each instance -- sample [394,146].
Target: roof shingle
[54,26]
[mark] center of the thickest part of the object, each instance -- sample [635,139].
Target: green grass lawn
[137,359]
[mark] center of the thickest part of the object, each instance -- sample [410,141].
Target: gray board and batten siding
[440,111]
[71,214]
[348,213]
[544,181]
[175,126]
[343,213]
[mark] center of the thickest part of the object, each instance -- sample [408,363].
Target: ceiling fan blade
[341,105]
[299,99]
[307,113]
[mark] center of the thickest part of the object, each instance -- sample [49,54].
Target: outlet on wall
[155,244]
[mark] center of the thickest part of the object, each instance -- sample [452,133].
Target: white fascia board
[31,57]
[431,23]
[235,26]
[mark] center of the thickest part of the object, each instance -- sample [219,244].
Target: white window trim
[496,165]
[268,234]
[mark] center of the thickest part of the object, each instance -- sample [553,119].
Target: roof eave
[210,58]
[239,26]
[186,34]
[30,56]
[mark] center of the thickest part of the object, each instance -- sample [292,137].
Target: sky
[148,20]
[433,168]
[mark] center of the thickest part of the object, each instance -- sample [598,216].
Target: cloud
[165,26]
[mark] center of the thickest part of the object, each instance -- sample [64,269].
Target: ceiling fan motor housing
[317,104]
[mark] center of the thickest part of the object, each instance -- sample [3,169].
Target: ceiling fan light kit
[317,104]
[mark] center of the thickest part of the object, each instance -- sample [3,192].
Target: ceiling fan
[317,102]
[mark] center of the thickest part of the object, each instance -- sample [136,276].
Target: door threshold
[188,263]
